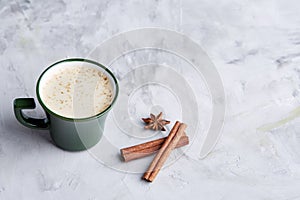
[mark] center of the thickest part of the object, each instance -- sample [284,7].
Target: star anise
[155,122]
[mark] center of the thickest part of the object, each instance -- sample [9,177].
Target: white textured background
[254,44]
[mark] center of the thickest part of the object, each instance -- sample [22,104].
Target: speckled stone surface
[255,45]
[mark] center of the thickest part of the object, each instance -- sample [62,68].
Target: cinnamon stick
[162,155]
[148,148]
[161,151]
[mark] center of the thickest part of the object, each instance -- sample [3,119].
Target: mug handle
[28,103]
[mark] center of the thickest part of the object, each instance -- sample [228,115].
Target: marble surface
[255,46]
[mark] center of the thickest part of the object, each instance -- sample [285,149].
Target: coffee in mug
[76,91]
[76,95]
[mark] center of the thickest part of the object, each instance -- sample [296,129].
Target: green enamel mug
[72,134]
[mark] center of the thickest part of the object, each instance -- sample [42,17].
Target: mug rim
[84,61]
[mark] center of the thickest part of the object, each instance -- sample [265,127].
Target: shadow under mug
[72,134]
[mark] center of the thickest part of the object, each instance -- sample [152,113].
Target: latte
[76,90]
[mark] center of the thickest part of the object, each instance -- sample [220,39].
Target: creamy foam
[76,90]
